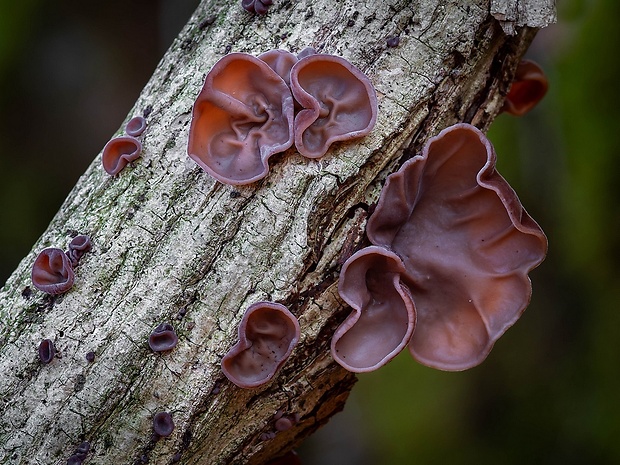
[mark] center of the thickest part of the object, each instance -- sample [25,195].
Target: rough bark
[172,245]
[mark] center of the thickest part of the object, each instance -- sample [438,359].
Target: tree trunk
[170,244]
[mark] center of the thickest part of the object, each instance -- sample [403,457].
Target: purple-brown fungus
[118,152]
[339,103]
[528,88]
[78,246]
[163,338]
[80,454]
[268,333]
[135,126]
[242,116]
[256,6]
[384,315]
[47,351]
[466,243]
[281,61]
[163,424]
[52,272]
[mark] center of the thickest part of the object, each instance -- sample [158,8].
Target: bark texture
[172,245]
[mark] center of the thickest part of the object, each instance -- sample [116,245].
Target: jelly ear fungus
[268,332]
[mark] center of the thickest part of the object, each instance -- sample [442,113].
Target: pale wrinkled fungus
[242,116]
[118,152]
[466,243]
[268,333]
[135,126]
[384,315]
[339,103]
[528,88]
[52,272]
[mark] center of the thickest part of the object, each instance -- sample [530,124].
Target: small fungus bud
[163,338]
[136,126]
[47,351]
[256,6]
[90,357]
[78,246]
[163,424]
[118,152]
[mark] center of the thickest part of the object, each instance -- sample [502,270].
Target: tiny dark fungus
[118,152]
[268,333]
[339,103]
[47,351]
[393,41]
[52,272]
[90,357]
[528,88]
[163,338]
[135,126]
[384,315]
[78,246]
[163,424]
[256,6]
[242,116]
[467,245]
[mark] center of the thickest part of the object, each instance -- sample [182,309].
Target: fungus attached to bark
[118,152]
[135,126]
[52,272]
[242,116]
[78,246]
[163,424]
[528,88]
[467,245]
[80,454]
[163,338]
[268,333]
[384,315]
[281,61]
[47,351]
[339,103]
[256,6]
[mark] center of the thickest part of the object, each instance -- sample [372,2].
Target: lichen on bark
[172,245]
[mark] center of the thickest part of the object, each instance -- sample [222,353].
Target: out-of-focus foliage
[547,393]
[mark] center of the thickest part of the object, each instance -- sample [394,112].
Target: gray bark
[169,240]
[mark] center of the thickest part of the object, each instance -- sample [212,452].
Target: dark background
[548,393]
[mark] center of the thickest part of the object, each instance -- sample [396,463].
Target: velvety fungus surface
[135,126]
[118,152]
[383,317]
[339,103]
[528,88]
[163,424]
[242,116]
[52,272]
[47,351]
[163,338]
[467,245]
[268,333]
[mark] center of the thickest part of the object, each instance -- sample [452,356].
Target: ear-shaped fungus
[268,333]
[467,245]
[118,152]
[339,103]
[78,246]
[384,316]
[281,61]
[52,272]
[256,6]
[47,351]
[135,126]
[528,88]
[163,424]
[163,338]
[242,116]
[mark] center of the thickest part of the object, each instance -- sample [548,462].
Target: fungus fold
[339,103]
[242,116]
[52,271]
[466,245]
[78,246]
[118,152]
[384,315]
[268,333]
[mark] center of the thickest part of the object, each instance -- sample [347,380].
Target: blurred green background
[548,393]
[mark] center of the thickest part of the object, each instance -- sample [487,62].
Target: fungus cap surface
[135,126]
[268,333]
[242,116]
[163,424]
[118,152]
[528,88]
[384,315]
[338,99]
[163,338]
[47,351]
[467,245]
[52,271]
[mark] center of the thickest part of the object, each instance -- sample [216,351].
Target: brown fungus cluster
[252,108]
